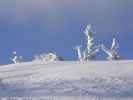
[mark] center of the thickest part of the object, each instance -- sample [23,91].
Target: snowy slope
[111,79]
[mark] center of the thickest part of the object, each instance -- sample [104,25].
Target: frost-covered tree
[112,52]
[90,50]
[77,48]
[49,57]
[16,59]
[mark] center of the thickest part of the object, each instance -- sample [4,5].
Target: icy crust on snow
[105,79]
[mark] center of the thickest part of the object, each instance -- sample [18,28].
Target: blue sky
[35,26]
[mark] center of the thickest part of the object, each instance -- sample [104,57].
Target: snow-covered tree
[112,52]
[49,57]
[90,50]
[16,59]
[77,48]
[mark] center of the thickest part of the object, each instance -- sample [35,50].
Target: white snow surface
[100,79]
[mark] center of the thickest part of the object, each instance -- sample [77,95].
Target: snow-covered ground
[92,80]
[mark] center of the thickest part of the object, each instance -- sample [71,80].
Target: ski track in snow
[97,80]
